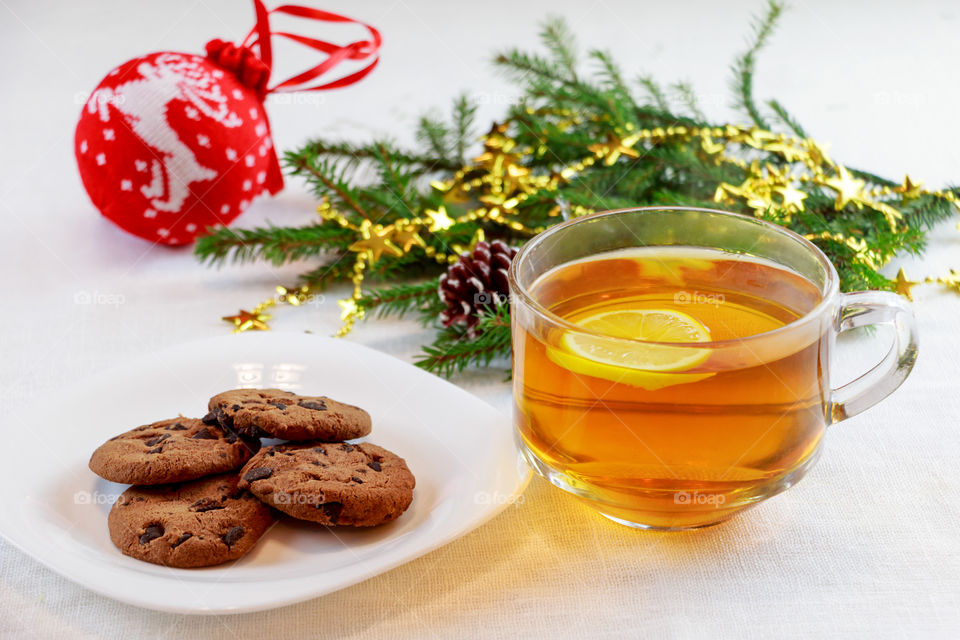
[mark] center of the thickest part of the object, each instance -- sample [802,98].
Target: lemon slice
[641,364]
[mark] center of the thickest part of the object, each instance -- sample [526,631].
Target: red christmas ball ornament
[169,144]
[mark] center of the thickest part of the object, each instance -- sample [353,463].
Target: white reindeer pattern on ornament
[143,103]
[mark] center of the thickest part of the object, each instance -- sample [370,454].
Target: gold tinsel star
[439,220]
[247,320]
[904,287]
[755,137]
[789,152]
[709,146]
[406,236]
[909,189]
[792,198]
[376,241]
[848,188]
[614,147]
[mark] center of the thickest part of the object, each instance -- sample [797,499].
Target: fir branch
[276,245]
[341,190]
[454,350]
[298,160]
[432,133]
[562,45]
[786,118]
[743,68]
[401,299]
[689,99]
[522,66]
[393,193]
[464,115]
[654,92]
[610,73]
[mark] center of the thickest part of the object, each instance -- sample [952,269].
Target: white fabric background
[867,546]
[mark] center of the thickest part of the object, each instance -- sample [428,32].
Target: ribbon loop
[254,70]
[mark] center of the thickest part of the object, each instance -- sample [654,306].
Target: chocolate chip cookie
[333,484]
[285,415]
[194,524]
[172,450]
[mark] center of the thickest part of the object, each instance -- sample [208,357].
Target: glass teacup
[672,365]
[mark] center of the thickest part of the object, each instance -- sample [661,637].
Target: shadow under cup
[675,434]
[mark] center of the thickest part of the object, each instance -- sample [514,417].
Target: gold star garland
[498,182]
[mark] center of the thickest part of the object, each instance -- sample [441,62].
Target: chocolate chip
[331,510]
[319,464]
[231,536]
[175,427]
[205,434]
[236,407]
[181,540]
[316,406]
[205,504]
[260,473]
[231,437]
[156,449]
[346,447]
[320,450]
[152,532]
[155,441]
[270,453]
[278,405]
[210,418]
[225,420]
[374,465]
[357,480]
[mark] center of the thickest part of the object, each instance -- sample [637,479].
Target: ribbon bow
[253,69]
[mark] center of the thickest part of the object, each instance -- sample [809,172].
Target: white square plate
[460,449]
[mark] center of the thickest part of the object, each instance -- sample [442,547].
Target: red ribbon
[253,69]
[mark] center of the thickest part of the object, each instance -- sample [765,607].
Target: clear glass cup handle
[861,309]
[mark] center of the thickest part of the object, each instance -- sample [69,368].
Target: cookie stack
[190,507]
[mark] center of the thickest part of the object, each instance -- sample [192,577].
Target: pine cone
[475,284]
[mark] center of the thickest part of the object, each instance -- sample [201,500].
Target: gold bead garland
[498,182]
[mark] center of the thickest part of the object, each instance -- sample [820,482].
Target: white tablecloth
[867,546]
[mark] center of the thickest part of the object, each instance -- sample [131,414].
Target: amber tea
[648,398]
